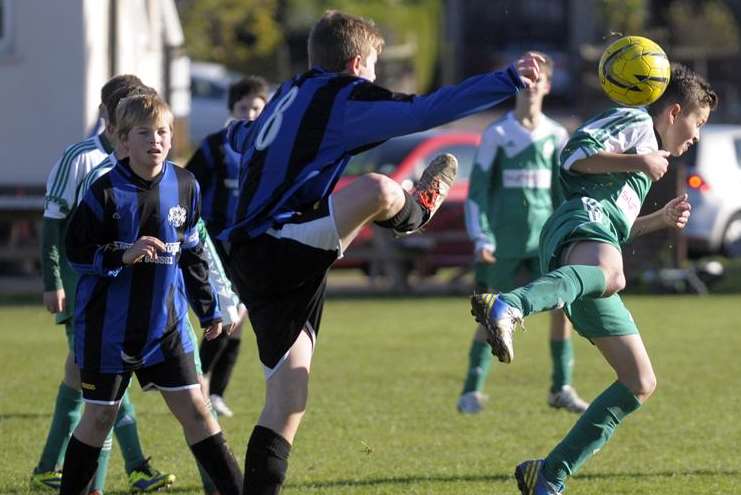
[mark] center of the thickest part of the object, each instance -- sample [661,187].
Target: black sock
[265,463]
[218,461]
[222,369]
[80,464]
[211,351]
[411,216]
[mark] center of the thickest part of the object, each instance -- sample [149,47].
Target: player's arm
[653,164]
[476,207]
[228,300]
[89,250]
[373,114]
[52,231]
[675,214]
[557,194]
[201,295]
[57,207]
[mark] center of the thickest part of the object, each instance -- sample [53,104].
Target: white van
[714,189]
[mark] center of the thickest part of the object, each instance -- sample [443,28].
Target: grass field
[382,417]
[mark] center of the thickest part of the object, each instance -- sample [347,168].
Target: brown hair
[141,110]
[112,101]
[687,88]
[251,85]
[338,37]
[117,83]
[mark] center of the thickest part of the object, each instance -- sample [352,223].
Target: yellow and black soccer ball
[634,71]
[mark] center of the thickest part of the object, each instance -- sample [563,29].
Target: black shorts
[176,373]
[281,277]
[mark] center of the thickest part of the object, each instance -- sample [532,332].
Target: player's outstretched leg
[431,190]
[501,313]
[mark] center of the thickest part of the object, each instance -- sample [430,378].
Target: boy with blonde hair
[133,239]
[60,281]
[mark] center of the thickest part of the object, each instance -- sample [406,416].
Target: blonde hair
[339,37]
[139,110]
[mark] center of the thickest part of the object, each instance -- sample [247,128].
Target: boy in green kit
[513,189]
[607,170]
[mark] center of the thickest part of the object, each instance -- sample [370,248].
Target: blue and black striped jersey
[134,315]
[216,167]
[294,153]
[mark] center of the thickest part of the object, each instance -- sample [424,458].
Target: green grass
[382,417]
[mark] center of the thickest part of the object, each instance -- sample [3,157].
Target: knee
[614,282]
[644,386]
[103,418]
[387,194]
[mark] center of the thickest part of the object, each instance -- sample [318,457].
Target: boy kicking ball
[134,242]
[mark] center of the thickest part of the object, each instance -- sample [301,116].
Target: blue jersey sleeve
[89,249]
[194,264]
[374,114]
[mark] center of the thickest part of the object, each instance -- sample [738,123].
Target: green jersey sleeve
[479,191]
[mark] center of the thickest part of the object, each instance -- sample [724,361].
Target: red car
[444,242]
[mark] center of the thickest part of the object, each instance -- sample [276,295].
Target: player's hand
[55,300]
[655,164]
[528,67]
[486,256]
[212,331]
[676,212]
[144,246]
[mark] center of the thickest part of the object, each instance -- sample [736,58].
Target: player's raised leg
[598,273]
[377,198]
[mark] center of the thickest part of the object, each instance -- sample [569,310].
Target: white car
[209,91]
[714,189]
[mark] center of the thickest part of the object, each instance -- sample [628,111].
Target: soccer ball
[634,71]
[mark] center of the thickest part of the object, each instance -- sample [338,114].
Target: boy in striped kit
[607,170]
[59,298]
[216,167]
[133,239]
[513,189]
[291,226]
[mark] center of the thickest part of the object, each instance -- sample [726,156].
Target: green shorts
[506,274]
[575,221]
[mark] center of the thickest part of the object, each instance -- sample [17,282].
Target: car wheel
[732,237]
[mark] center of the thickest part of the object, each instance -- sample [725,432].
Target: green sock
[557,288]
[105,456]
[479,362]
[127,434]
[562,356]
[208,485]
[64,420]
[593,429]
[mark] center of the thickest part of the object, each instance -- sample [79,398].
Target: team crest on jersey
[176,216]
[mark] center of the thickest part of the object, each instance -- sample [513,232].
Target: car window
[202,88]
[383,158]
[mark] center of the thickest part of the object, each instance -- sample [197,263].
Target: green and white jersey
[67,174]
[618,195]
[60,200]
[514,185]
